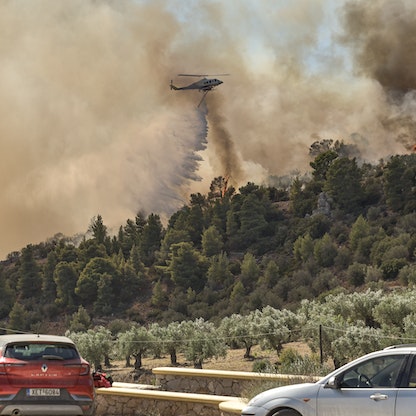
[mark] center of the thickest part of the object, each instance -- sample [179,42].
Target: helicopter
[204,85]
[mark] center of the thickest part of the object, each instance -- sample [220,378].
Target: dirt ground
[234,361]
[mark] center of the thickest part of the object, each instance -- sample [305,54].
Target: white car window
[411,382]
[375,372]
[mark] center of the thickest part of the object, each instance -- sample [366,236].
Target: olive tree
[172,340]
[359,306]
[135,342]
[357,341]
[321,325]
[240,331]
[95,345]
[276,327]
[392,310]
[201,341]
[409,323]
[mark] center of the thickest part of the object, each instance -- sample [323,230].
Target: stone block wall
[120,402]
[202,385]
[228,383]
[132,406]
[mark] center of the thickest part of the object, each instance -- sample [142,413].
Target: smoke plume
[88,124]
[381,36]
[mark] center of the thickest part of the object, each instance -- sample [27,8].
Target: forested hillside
[346,226]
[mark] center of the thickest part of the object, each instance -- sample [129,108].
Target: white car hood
[294,391]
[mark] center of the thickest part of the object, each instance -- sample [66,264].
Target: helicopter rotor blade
[202,75]
[192,75]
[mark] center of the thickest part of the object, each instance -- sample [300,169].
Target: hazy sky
[88,124]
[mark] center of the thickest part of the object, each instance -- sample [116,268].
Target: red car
[44,375]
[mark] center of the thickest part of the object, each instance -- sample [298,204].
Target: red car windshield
[37,351]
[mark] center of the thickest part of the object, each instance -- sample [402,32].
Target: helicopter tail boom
[173,87]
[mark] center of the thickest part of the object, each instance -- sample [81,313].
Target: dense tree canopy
[346,225]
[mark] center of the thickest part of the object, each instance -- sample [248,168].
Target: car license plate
[43,392]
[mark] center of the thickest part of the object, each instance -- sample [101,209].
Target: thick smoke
[89,126]
[87,122]
[381,35]
[229,163]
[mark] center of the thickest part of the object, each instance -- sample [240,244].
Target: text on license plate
[43,392]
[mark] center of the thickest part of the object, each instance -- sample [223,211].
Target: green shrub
[292,362]
[288,356]
[264,366]
[256,387]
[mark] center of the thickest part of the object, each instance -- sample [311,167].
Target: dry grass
[234,361]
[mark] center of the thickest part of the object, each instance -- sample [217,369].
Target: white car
[382,383]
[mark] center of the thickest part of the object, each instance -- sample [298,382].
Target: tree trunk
[107,363]
[248,352]
[128,363]
[138,361]
[173,357]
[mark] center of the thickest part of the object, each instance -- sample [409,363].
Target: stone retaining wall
[229,383]
[184,391]
[133,402]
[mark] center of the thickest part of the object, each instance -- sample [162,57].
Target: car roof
[8,339]
[407,347]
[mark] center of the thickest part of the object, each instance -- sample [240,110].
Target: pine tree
[80,321]
[343,185]
[219,274]
[187,267]
[65,277]
[18,318]
[98,229]
[250,272]
[151,239]
[212,243]
[48,283]
[29,284]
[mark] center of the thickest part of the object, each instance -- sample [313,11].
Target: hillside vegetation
[347,227]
